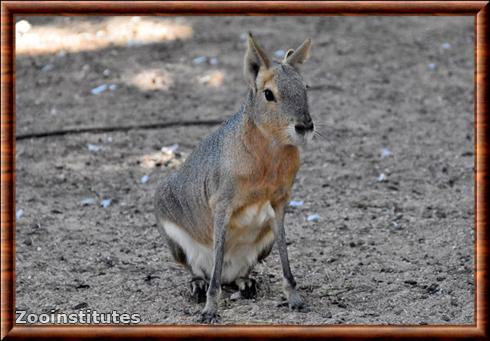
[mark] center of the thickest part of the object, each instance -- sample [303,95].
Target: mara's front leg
[221,221]
[289,284]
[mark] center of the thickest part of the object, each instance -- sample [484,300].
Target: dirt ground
[392,181]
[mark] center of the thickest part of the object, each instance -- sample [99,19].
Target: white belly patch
[255,216]
[242,248]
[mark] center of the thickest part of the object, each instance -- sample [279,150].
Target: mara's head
[280,101]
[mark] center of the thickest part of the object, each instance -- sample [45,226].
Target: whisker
[321,124]
[316,133]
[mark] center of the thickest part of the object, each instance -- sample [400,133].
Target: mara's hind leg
[247,287]
[198,287]
[177,252]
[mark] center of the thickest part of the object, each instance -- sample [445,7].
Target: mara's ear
[287,55]
[255,58]
[300,55]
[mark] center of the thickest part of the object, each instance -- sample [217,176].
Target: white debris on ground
[382,177]
[313,217]
[144,179]
[296,203]
[103,87]
[279,53]
[99,89]
[200,60]
[446,46]
[431,66]
[205,59]
[105,203]
[170,149]
[88,201]
[214,79]
[134,43]
[167,157]
[48,67]
[19,213]
[385,152]
[94,147]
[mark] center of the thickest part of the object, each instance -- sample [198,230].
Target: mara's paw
[296,302]
[199,287]
[209,317]
[247,287]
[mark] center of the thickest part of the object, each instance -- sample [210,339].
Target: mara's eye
[269,95]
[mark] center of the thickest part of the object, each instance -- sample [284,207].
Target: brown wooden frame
[478,9]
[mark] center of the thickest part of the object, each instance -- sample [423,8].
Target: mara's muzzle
[305,127]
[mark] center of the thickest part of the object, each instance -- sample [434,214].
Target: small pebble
[19,213]
[446,46]
[279,53]
[382,177]
[396,225]
[200,60]
[99,89]
[93,147]
[105,203]
[106,72]
[296,203]
[47,67]
[134,43]
[170,149]
[431,66]
[144,179]
[385,152]
[313,217]
[88,201]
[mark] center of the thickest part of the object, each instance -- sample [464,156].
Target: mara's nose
[305,126]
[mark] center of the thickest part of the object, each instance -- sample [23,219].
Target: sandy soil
[397,251]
